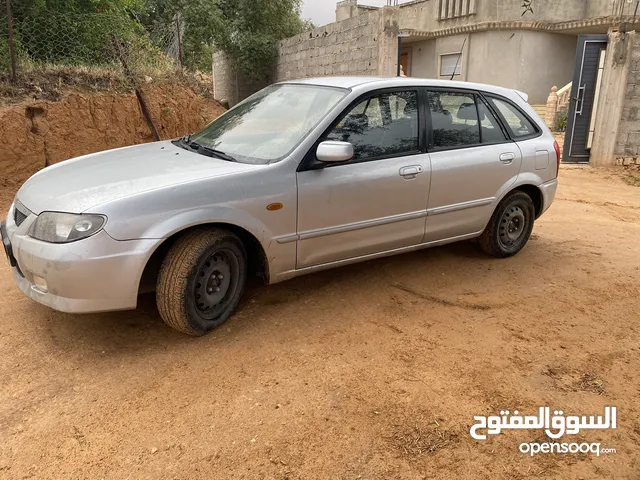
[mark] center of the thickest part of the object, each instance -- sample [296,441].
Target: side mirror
[332,151]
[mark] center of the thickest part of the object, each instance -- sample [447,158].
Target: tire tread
[177,266]
[488,240]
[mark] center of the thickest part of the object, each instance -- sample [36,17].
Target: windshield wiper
[182,142]
[212,152]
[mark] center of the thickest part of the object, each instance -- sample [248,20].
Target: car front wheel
[201,280]
[510,226]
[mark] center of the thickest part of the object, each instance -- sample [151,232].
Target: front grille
[20,213]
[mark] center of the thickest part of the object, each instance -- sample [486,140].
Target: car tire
[510,226]
[201,280]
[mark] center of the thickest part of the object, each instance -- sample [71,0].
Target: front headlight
[54,227]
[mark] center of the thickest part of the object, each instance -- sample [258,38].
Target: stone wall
[627,150]
[365,44]
[617,123]
[223,77]
[228,84]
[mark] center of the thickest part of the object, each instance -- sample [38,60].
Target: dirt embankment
[41,133]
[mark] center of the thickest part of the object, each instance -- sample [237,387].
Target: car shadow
[142,330]
[415,262]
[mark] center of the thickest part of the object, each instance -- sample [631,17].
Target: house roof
[588,25]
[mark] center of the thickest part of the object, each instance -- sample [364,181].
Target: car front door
[472,163]
[376,201]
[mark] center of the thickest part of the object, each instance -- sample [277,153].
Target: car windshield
[267,126]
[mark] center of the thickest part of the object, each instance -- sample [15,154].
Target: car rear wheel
[510,226]
[201,280]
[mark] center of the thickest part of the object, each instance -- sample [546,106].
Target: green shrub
[561,120]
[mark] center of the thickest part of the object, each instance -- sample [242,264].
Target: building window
[448,9]
[450,64]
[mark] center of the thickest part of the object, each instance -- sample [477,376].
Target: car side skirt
[388,253]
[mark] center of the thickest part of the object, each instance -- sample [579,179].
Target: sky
[322,12]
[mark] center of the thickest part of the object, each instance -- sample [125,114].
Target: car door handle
[410,171]
[507,157]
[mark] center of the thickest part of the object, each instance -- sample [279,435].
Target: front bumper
[91,275]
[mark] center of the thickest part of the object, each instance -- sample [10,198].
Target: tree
[250,30]
[247,30]
[72,31]
[25,8]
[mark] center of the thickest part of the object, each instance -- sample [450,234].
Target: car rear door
[377,201]
[472,163]
[538,152]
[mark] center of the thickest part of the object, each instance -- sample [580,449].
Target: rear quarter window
[518,124]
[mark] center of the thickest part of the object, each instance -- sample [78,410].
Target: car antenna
[458,59]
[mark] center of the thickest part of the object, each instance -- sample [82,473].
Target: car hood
[86,182]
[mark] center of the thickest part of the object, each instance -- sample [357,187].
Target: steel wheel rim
[215,283]
[512,226]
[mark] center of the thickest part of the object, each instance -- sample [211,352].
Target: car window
[383,125]
[370,108]
[267,126]
[489,126]
[454,118]
[517,123]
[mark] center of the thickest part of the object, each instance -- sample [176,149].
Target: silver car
[302,176]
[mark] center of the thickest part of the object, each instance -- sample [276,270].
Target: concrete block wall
[627,150]
[230,85]
[617,124]
[223,77]
[365,44]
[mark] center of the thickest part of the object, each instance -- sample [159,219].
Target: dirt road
[370,371]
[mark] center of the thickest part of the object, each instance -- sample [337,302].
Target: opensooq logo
[554,426]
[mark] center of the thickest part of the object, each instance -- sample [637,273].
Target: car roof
[372,83]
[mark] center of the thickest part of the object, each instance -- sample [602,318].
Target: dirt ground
[372,371]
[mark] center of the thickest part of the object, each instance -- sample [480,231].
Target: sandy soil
[369,371]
